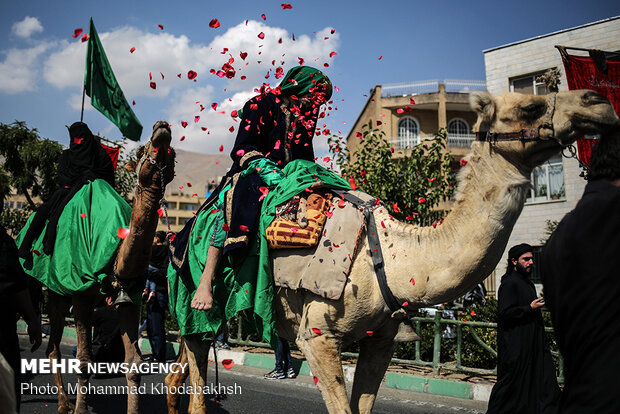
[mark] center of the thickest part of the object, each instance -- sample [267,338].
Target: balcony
[431,86]
[454,140]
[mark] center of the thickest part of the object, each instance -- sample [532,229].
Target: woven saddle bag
[299,222]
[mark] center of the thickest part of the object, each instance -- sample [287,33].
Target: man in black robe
[526,381]
[582,287]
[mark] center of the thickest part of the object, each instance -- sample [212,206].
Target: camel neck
[433,264]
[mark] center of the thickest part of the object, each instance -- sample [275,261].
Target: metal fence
[431,86]
[238,337]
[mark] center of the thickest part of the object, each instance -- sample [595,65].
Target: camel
[427,265]
[155,170]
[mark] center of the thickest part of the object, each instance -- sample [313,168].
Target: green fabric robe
[241,283]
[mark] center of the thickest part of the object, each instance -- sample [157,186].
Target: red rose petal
[332,54]
[263,16]
[243,228]
[214,106]
[122,233]
[412,280]
[396,209]
[183,124]
[182,138]
[153,85]
[316,380]
[38,253]
[316,331]
[227,363]
[161,26]
[240,153]
[85,37]
[284,7]
[133,49]
[421,200]
[221,148]
[261,35]
[160,212]
[83,215]
[225,227]
[369,333]
[214,23]
[463,162]
[405,304]
[77,32]
[196,119]
[191,75]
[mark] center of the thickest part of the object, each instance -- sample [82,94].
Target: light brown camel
[426,265]
[156,169]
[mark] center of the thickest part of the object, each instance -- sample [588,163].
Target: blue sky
[42,65]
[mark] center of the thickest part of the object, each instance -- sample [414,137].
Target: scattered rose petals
[244,228]
[227,363]
[329,214]
[264,191]
[191,75]
[332,54]
[472,313]
[316,331]
[225,227]
[38,253]
[411,101]
[221,148]
[421,200]
[78,140]
[77,32]
[284,7]
[182,138]
[263,16]
[316,380]
[85,37]
[183,124]
[83,215]
[122,233]
[196,119]
[231,129]
[161,26]
[463,162]
[240,153]
[133,49]
[380,57]
[277,145]
[369,333]
[396,209]
[261,35]
[301,61]
[214,106]
[405,304]
[214,23]
[412,281]
[153,85]
[243,55]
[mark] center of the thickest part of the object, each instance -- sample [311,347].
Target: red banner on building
[597,73]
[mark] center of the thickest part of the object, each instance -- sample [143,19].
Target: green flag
[105,92]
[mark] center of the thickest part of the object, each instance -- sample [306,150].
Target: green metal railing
[439,324]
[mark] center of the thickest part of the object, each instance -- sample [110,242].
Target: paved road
[255,395]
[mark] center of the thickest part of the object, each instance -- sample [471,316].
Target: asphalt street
[250,394]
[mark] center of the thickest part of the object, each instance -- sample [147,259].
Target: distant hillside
[198,170]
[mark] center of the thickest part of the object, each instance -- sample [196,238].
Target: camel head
[550,122]
[155,166]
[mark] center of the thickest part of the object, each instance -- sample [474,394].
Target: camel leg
[374,359]
[83,314]
[323,356]
[176,380]
[198,358]
[130,321]
[58,307]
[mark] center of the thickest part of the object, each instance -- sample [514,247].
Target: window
[189,207]
[548,181]
[169,220]
[528,84]
[458,133]
[408,133]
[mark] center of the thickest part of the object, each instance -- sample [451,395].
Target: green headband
[301,79]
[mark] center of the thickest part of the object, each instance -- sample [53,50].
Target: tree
[30,161]
[411,185]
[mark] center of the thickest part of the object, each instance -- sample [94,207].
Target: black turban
[516,251]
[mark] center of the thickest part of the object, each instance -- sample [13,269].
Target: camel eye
[533,110]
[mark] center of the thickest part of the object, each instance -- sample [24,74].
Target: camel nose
[594,98]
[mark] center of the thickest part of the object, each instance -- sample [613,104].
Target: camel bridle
[524,135]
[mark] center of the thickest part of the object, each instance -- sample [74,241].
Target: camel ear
[131,166]
[482,103]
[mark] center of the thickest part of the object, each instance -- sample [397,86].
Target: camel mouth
[590,125]
[161,133]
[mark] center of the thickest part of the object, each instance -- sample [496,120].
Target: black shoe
[275,375]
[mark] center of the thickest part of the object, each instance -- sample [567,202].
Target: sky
[358,44]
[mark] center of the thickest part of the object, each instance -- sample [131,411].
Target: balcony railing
[431,86]
[460,140]
[454,140]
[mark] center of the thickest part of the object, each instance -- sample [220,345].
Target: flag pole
[83,95]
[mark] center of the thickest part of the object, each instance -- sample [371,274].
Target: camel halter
[525,135]
[162,201]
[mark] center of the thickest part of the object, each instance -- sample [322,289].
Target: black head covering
[516,251]
[85,159]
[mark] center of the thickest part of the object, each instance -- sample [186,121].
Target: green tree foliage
[30,161]
[411,185]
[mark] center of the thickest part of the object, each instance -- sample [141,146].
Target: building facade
[556,185]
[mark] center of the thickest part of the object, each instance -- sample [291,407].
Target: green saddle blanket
[86,241]
[241,283]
